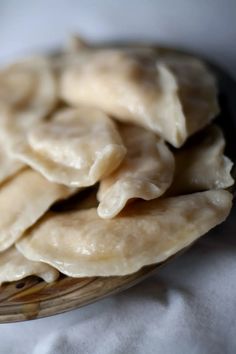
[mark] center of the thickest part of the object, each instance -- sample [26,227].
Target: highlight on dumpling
[14,266]
[81,244]
[146,172]
[77,147]
[173,98]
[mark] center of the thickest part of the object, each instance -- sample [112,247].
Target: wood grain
[32,298]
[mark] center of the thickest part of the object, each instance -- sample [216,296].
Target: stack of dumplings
[109,161]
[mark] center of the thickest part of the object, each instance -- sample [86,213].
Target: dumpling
[172,97]
[76,43]
[146,172]
[201,164]
[23,200]
[81,244]
[8,165]
[28,93]
[77,147]
[14,266]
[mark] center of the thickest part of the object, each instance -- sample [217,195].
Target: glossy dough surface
[172,96]
[14,266]
[76,148]
[23,200]
[82,244]
[90,114]
[146,172]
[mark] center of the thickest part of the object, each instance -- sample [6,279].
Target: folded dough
[201,164]
[81,244]
[173,95]
[8,165]
[77,147]
[23,200]
[14,266]
[146,172]
[28,93]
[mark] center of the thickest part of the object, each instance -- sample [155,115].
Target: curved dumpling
[28,93]
[77,147]
[174,97]
[14,266]
[23,200]
[146,172]
[81,244]
[201,164]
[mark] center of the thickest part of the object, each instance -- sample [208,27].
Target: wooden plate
[32,298]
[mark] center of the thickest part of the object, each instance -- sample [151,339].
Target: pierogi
[23,200]
[8,165]
[14,266]
[173,98]
[202,165]
[89,184]
[77,147]
[81,244]
[146,172]
[28,93]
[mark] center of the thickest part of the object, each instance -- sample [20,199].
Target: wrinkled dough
[146,172]
[174,96]
[14,266]
[23,200]
[202,165]
[76,148]
[28,93]
[81,244]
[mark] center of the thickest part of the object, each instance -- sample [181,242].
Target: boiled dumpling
[28,93]
[14,266]
[81,244]
[76,43]
[146,172]
[77,147]
[8,165]
[172,97]
[23,200]
[201,164]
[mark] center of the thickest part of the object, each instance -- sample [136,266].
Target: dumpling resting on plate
[81,244]
[14,266]
[173,96]
[146,172]
[28,93]
[201,164]
[23,200]
[77,147]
